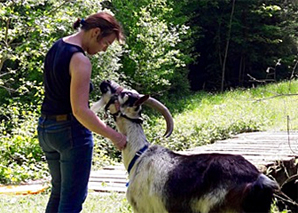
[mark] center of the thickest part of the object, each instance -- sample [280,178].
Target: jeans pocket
[80,135]
[57,135]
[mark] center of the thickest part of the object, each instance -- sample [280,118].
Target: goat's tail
[259,195]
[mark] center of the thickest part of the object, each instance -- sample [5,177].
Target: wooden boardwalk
[109,179]
[274,153]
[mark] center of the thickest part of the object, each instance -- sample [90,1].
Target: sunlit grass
[95,203]
[23,203]
[205,117]
[268,105]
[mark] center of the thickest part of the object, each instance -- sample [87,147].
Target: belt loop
[61,117]
[42,120]
[44,117]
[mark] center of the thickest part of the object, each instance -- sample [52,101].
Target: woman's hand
[119,141]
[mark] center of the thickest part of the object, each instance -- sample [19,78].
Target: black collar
[134,120]
[135,158]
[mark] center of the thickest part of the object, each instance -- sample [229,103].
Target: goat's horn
[155,104]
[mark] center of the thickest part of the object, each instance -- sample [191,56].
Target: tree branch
[259,81]
[6,33]
[293,71]
[286,199]
[276,96]
[59,6]
[9,90]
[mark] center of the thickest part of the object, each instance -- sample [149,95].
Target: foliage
[21,157]
[105,66]
[154,61]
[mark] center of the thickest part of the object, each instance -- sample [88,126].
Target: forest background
[173,49]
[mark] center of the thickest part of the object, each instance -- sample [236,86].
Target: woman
[66,123]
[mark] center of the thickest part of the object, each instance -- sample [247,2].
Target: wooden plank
[263,154]
[261,144]
[112,188]
[260,151]
[242,151]
[259,135]
[269,157]
[267,133]
[244,146]
[108,180]
[246,151]
[117,185]
[105,174]
[115,167]
[112,172]
[255,142]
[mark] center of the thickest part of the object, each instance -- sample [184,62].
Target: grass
[95,203]
[205,117]
[23,203]
[200,118]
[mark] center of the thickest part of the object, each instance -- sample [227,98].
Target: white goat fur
[158,179]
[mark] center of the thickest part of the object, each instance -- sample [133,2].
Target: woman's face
[101,45]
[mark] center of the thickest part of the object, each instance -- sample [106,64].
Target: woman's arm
[80,71]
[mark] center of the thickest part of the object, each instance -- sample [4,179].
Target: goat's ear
[105,86]
[141,100]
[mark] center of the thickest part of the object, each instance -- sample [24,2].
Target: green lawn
[95,203]
[204,117]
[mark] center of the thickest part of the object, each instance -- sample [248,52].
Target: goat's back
[202,183]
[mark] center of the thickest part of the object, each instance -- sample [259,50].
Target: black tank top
[57,78]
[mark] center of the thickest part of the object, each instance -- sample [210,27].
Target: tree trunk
[240,82]
[227,48]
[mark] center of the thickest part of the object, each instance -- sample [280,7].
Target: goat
[161,180]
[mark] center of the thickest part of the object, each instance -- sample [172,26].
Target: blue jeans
[68,148]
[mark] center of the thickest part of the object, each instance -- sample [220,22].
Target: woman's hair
[103,20]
